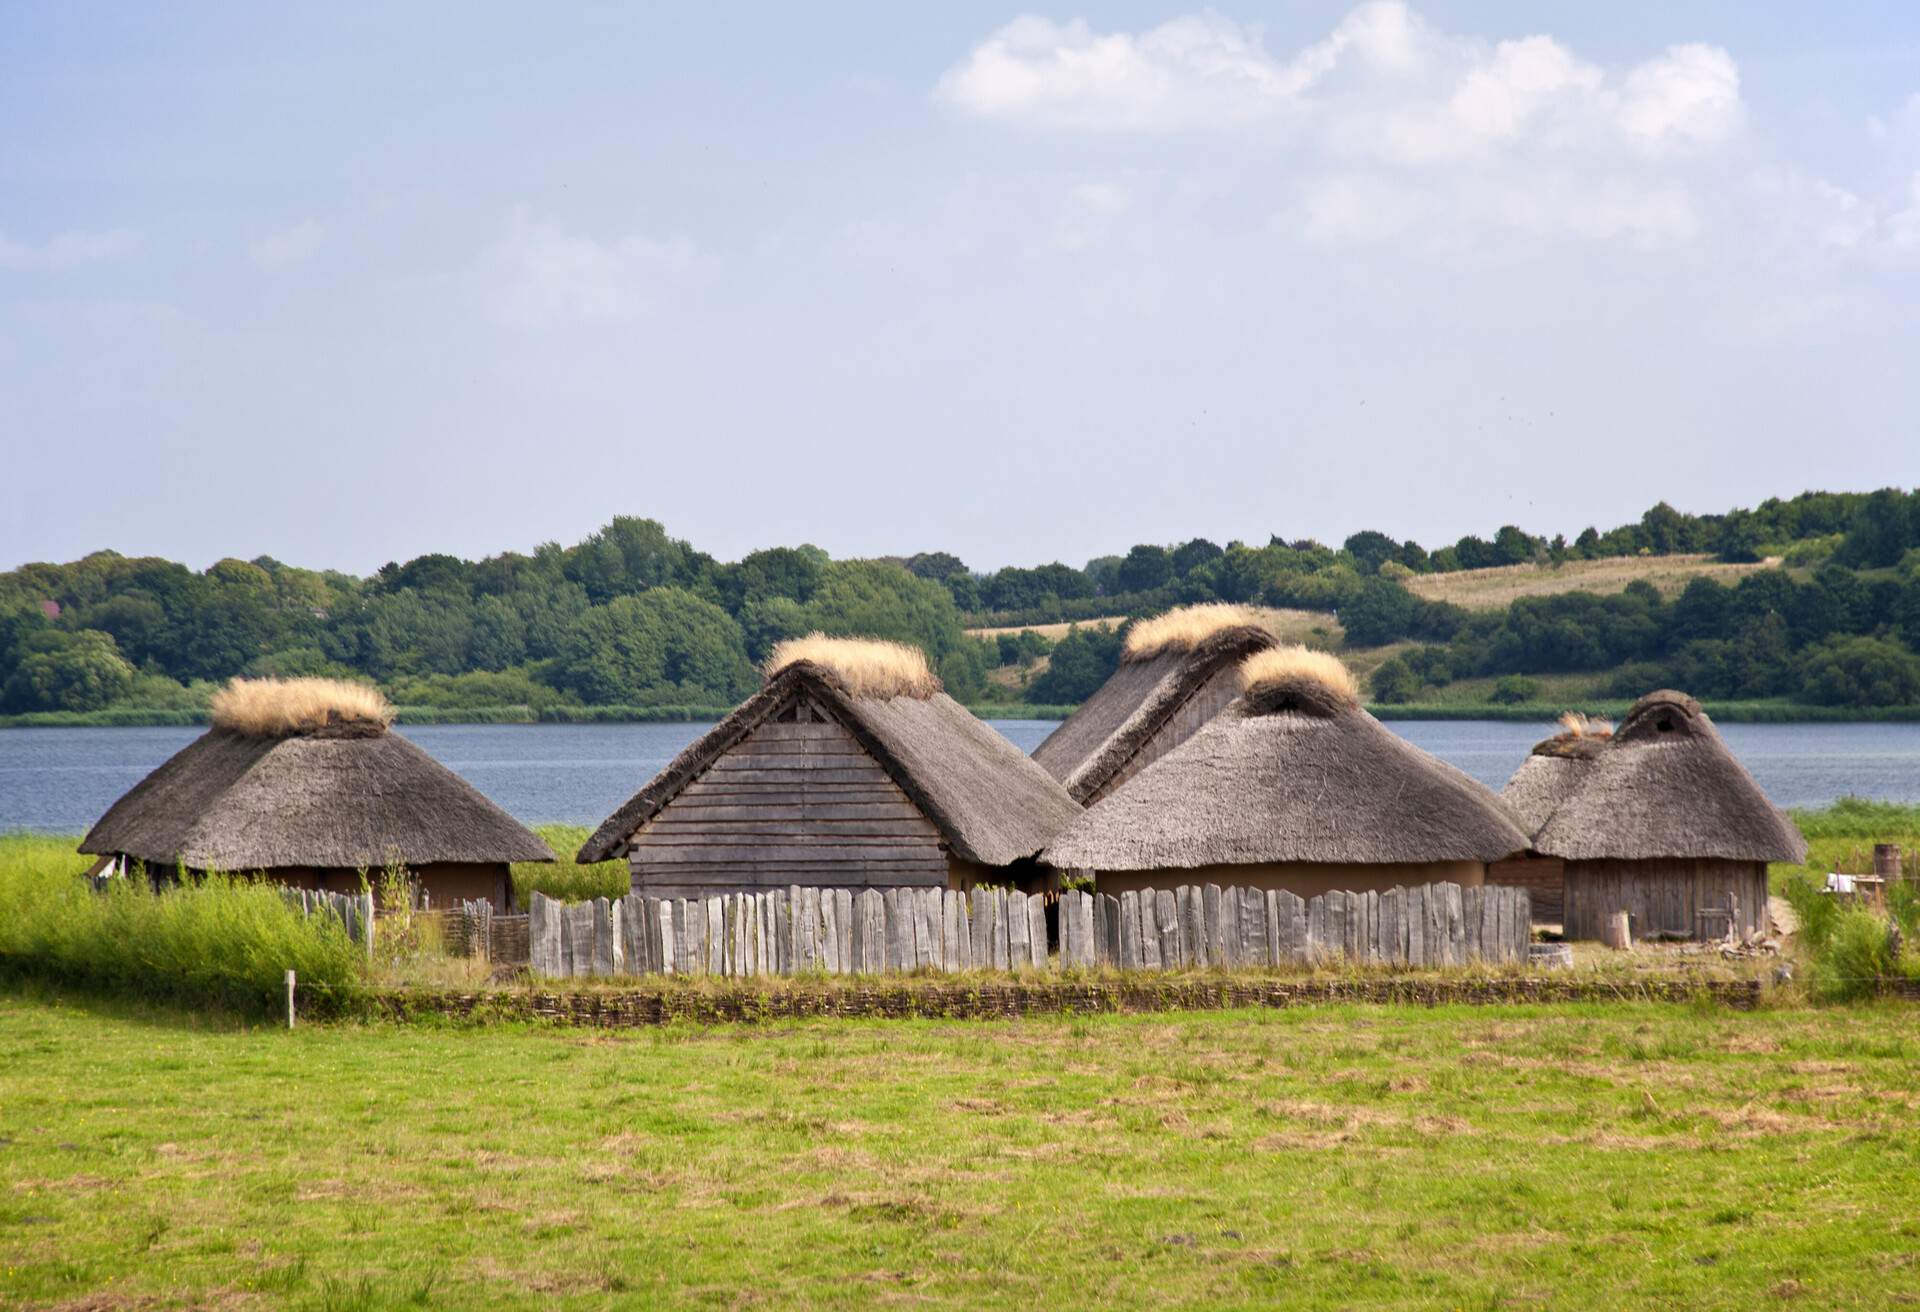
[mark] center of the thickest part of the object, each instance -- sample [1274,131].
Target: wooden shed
[850,768]
[1667,826]
[302,782]
[1176,672]
[1293,786]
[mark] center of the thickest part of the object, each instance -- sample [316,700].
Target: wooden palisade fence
[354,911]
[837,931]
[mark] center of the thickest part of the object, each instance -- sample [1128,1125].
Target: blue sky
[356,283]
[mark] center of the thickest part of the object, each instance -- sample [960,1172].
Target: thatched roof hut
[1176,672]
[850,767]
[1665,824]
[1294,786]
[1554,769]
[301,780]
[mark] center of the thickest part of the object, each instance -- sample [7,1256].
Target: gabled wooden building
[1177,671]
[850,768]
[1552,770]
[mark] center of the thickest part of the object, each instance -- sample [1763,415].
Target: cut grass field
[1598,1156]
[1494,589]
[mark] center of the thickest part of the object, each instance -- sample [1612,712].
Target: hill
[1498,586]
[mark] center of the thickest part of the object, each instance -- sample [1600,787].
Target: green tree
[1393,682]
[1861,672]
[1145,568]
[1077,666]
[1513,689]
[80,671]
[664,647]
[880,599]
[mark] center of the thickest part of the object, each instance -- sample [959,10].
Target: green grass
[1584,1157]
[565,880]
[220,940]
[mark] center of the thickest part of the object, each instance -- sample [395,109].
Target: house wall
[797,801]
[1193,714]
[1304,879]
[1665,896]
[445,883]
[1544,878]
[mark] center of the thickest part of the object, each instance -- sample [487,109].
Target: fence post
[366,902]
[289,999]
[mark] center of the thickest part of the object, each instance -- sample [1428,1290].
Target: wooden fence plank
[1019,950]
[1144,905]
[1037,929]
[1166,916]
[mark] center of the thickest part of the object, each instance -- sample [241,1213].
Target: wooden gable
[797,801]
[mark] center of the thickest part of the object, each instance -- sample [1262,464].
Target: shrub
[1513,689]
[563,879]
[223,940]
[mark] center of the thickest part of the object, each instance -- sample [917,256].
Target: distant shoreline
[1528,713]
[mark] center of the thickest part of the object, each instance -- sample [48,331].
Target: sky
[350,283]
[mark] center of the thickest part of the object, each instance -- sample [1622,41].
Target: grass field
[1599,1157]
[1494,589]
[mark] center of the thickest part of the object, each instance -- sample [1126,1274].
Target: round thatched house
[1667,826]
[1544,780]
[850,768]
[301,781]
[1293,786]
[1176,672]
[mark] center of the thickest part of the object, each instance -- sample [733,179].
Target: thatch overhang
[344,800]
[1665,786]
[1293,771]
[1135,703]
[990,802]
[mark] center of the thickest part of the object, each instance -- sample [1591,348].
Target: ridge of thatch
[991,803]
[1258,786]
[241,802]
[1295,678]
[865,667]
[1185,628]
[1136,702]
[1665,786]
[282,708]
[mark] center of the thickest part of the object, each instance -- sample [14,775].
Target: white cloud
[287,247]
[538,273]
[1690,95]
[65,250]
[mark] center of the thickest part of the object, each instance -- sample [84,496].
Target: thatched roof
[1157,674]
[1666,786]
[343,796]
[990,802]
[1294,770]
[1553,770]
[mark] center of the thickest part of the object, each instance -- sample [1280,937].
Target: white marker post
[289,999]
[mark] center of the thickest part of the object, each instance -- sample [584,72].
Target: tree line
[632,616]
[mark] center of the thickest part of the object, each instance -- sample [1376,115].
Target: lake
[61,780]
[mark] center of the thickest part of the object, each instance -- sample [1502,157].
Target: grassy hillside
[1500,586]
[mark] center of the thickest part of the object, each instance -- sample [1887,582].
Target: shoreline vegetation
[1543,713]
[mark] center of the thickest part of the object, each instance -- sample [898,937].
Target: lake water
[61,780]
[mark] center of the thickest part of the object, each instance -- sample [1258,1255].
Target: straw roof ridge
[1124,713]
[1186,628]
[1295,678]
[1256,787]
[991,803]
[240,802]
[1665,786]
[863,667]
[283,708]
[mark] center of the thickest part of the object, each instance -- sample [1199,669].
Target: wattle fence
[837,931]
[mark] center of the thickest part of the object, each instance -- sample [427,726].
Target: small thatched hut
[1177,671]
[300,781]
[1292,786]
[1667,826]
[851,768]
[1544,780]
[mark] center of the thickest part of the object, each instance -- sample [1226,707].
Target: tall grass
[221,940]
[563,879]
[1850,948]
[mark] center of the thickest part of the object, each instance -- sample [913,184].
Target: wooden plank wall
[797,800]
[1205,702]
[839,931]
[1544,878]
[1667,897]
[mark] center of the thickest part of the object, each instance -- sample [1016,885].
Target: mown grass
[1498,587]
[1580,1157]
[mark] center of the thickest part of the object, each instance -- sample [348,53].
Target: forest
[633,622]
